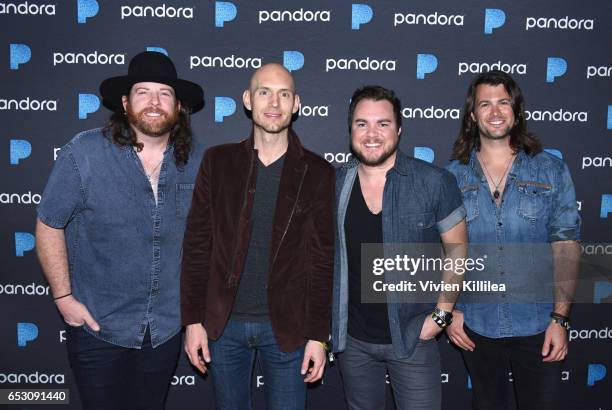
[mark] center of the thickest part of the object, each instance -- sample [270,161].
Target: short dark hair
[376,93]
[469,134]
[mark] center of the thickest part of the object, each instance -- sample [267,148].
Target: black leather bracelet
[61,297]
[442,318]
[560,320]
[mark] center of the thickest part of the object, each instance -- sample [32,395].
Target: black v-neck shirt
[368,322]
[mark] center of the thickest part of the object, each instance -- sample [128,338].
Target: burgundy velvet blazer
[302,247]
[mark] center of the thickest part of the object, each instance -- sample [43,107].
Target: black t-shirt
[368,322]
[251,302]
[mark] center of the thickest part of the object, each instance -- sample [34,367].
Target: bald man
[258,255]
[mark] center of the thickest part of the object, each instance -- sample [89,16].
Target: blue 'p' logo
[19,149]
[424,153]
[224,11]
[606,205]
[426,64]
[26,332]
[19,54]
[595,373]
[555,67]
[88,104]
[293,60]
[601,290]
[361,14]
[86,9]
[224,107]
[158,50]
[24,242]
[610,117]
[494,18]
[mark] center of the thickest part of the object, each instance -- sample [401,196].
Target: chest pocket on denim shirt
[534,198]
[184,192]
[469,194]
[414,226]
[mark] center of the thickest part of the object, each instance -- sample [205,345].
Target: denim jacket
[420,201]
[538,207]
[123,248]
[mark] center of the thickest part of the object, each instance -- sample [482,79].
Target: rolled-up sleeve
[565,221]
[450,210]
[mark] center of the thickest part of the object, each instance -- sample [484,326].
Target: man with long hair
[109,232]
[258,254]
[521,208]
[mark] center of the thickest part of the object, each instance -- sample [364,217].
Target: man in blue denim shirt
[109,233]
[384,196]
[521,206]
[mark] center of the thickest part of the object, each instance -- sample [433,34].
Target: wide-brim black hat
[155,67]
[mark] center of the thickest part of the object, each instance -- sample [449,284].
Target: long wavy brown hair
[118,129]
[469,134]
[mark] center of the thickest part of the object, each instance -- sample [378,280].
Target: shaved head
[272,70]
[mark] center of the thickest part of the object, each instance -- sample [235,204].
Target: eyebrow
[161,89]
[377,121]
[269,89]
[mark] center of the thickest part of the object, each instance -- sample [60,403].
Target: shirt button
[499,224]
[501,248]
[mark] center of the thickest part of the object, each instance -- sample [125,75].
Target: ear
[296,104]
[399,132]
[124,102]
[246,99]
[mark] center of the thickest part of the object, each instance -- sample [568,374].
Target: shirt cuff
[562,233]
[451,220]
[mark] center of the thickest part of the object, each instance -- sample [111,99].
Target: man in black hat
[109,232]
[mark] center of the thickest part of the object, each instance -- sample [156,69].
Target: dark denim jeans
[537,384]
[233,356]
[415,380]
[115,377]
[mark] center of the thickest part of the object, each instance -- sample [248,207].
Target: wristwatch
[442,317]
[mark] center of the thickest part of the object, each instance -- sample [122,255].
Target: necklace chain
[496,193]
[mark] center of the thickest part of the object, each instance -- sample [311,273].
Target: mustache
[153,111]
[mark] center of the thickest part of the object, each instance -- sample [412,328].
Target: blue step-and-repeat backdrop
[55,53]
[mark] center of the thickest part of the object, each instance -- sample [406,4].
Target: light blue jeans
[415,380]
[233,356]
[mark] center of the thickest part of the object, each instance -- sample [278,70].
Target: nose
[154,98]
[496,109]
[275,100]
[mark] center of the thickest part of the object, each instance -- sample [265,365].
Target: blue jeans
[115,377]
[415,380]
[233,356]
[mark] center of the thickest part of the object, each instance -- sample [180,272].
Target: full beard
[373,162]
[152,127]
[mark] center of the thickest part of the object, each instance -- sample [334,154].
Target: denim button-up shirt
[123,248]
[420,201]
[538,207]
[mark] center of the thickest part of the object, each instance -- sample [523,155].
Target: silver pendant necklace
[496,193]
